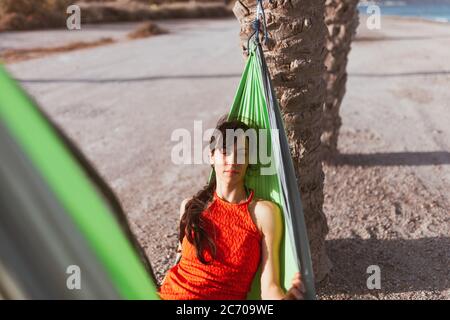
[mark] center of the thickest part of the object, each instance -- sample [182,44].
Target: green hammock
[255,104]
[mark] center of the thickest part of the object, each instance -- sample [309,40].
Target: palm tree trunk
[341,18]
[295,58]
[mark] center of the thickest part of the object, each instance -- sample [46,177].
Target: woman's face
[230,164]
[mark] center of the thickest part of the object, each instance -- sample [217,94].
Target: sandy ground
[19,40]
[59,37]
[386,197]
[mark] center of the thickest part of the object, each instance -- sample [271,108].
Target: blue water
[435,12]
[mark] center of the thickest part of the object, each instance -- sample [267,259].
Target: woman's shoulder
[262,208]
[184,202]
[183,206]
[267,215]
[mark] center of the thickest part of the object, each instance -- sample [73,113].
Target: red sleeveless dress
[238,252]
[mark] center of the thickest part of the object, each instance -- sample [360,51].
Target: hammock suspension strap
[260,19]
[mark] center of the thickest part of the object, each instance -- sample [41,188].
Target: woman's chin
[230,177]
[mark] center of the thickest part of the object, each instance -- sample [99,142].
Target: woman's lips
[232,171]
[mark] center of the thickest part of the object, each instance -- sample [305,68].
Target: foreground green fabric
[255,104]
[74,191]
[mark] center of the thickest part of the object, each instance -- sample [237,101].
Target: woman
[225,233]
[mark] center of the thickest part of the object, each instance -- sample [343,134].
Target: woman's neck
[232,193]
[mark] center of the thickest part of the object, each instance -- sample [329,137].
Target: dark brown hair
[192,224]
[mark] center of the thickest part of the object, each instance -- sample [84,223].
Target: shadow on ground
[406,265]
[393,159]
[401,74]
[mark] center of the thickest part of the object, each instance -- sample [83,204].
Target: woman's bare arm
[178,256]
[270,222]
[182,209]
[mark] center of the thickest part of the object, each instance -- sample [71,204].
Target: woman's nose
[230,159]
[236,158]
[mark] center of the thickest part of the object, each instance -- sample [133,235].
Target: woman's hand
[297,291]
